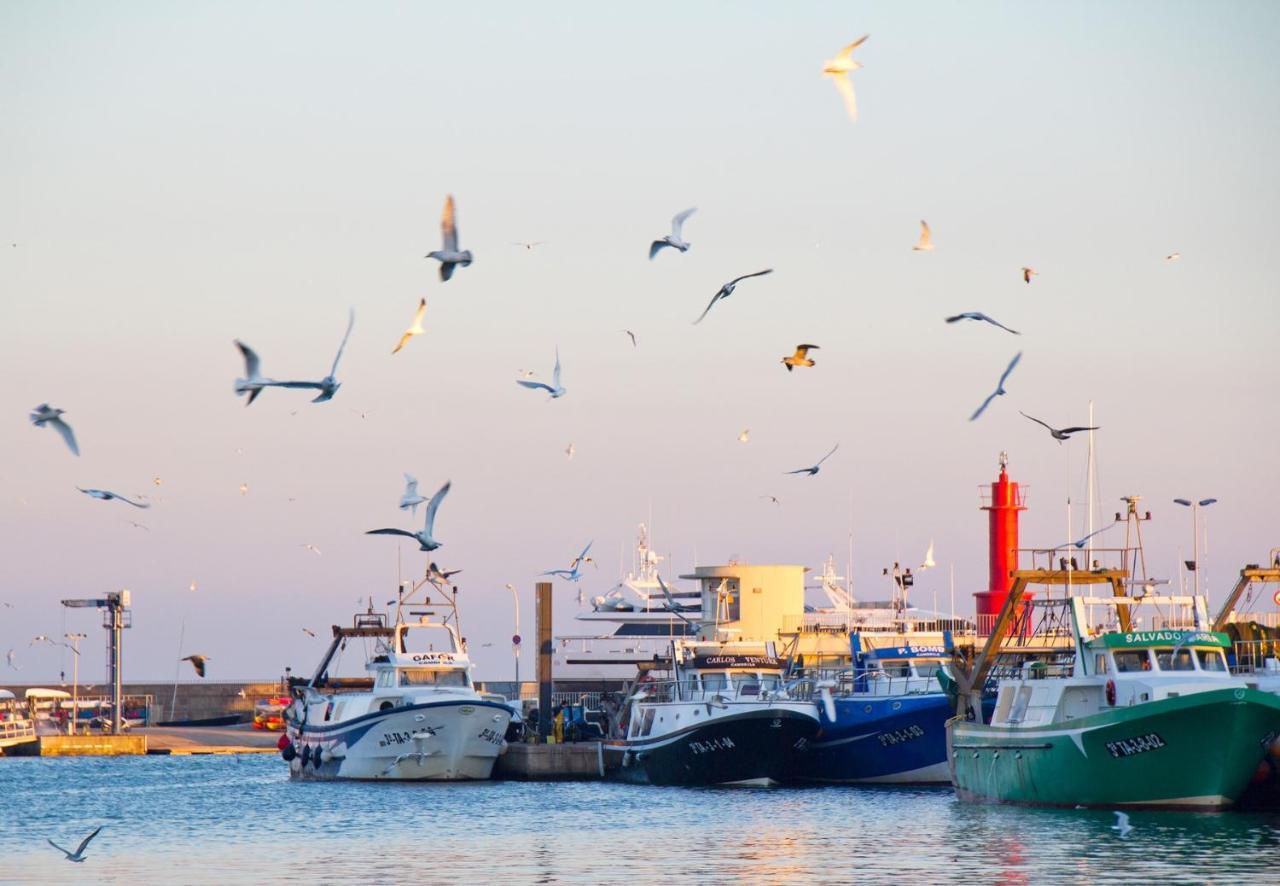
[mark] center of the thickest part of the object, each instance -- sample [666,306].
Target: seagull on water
[999,391]
[411,498]
[107,495]
[44,414]
[928,557]
[838,70]
[925,243]
[78,855]
[1122,825]
[800,357]
[423,536]
[673,239]
[327,386]
[197,662]
[449,257]
[727,290]
[574,572]
[814,468]
[1028,273]
[978,315]
[1058,434]
[555,388]
[414,329]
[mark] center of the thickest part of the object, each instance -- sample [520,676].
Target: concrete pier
[82,746]
[580,761]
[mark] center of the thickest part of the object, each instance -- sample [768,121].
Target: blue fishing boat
[884,720]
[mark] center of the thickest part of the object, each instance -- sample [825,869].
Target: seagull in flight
[44,414]
[569,451]
[424,536]
[814,469]
[411,499]
[838,70]
[978,315]
[555,388]
[674,238]
[745,436]
[78,855]
[772,498]
[327,386]
[313,549]
[928,557]
[1028,273]
[136,525]
[309,632]
[12,658]
[999,391]
[450,257]
[800,357]
[925,243]
[106,495]
[528,244]
[197,662]
[1173,256]
[574,572]
[1058,434]
[438,576]
[727,290]
[415,328]
[632,336]
[1122,825]
[1081,542]
[253,381]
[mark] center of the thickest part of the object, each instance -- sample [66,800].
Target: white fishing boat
[416,716]
[16,726]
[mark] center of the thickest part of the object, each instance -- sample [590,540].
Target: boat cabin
[894,670]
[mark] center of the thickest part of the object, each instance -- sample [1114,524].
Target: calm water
[239,819]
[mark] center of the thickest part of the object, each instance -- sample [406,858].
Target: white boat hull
[453,740]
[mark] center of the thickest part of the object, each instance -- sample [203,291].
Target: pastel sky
[175,176]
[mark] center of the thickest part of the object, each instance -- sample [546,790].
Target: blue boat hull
[885,739]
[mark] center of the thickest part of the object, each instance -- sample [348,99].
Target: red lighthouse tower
[1006,501]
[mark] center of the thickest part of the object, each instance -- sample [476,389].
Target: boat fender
[289,753]
[306,754]
[1111,693]
[316,754]
[283,743]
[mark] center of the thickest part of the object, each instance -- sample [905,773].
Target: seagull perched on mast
[1058,434]
[800,357]
[78,855]
[327,386]
[727,290]
[44,414]
[814,468]
[999,391]
[415,328]
[424,535]
[574,572]
[449,257]
[107,495]
[838,70]
[674,239]
[555,388]
[978,315]
[411,499]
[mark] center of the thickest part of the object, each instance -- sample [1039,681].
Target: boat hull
[755,747]
[881,740]
[1194,751]
[455,740]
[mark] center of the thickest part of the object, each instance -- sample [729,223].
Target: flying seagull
[78,855]
[814,469]
[800,357]
[449,257]
[106,495]
[12,658]
[137,525]
[423,536]
[1122,825]
[569,451]
[574,572]
[1058,434]
[327,386]
[674,238]
[253,382]
[1081,542]
[772,498]
[312,548]
[244,488]
[1028,273]
[411,499]
[632,336]
[978,315]
[415,328]
[745,436]
[928,557]
[1173,256]
[438,576]
[528,244]
[999,391]
[555,388]
[309,632]
[925,243]
[838,70]
[727,290]
[44,414]
[197,662]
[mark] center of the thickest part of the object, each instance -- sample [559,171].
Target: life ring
[1111,693]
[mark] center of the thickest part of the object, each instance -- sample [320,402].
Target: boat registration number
[397,738]
[490,736]
[1140,744]
[898,736]
[712,745]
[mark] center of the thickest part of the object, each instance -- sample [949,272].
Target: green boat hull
[1195,751]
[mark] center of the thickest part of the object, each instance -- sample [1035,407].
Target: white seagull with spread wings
[78,855]
[555,389]
[449,257]
[727,290]
[838,70]
[999,391]
[44,414]
[675,238]
[424,536]
[810,471]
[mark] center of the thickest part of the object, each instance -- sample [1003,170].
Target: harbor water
[220,819]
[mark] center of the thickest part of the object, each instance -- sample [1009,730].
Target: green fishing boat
[1091,716]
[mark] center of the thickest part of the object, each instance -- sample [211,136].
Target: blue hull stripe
[362,724]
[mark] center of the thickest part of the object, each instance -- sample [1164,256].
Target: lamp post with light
[1195,532]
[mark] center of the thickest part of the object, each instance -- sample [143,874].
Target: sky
[175,177]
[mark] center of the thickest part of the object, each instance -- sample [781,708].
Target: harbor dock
[581,761]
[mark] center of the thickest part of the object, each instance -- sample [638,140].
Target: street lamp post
[74,646]
[515,638]
[1195,532]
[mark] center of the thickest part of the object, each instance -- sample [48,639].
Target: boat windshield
[1134,660]
[1211,660]
[1175,660]
[429,677]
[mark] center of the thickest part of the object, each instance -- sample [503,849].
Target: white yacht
[416,715]
[16,725]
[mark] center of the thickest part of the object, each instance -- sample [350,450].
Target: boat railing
[1032,670]
[745,690]
[1257,657]
[10,729]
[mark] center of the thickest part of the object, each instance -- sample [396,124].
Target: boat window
[769,682]
[1211,660]
[647,726]
[1175,660]
[896,668]
[1136,660]
[1020,703]
[746,684]
[385,679]
[1100,663]
[428,677]
[713,682]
